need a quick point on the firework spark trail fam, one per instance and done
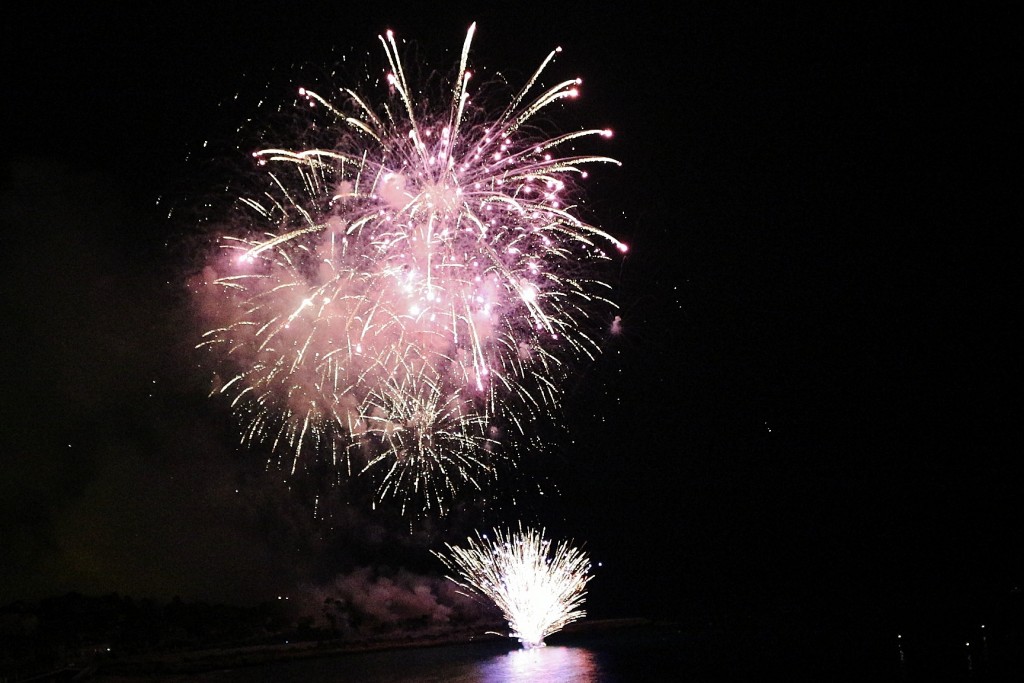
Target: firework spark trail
(414, 286)
(539, 587)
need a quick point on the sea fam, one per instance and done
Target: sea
(660, 652)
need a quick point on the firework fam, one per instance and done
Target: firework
(407, 293)
(539, 587)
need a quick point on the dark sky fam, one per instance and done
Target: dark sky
(813, 407)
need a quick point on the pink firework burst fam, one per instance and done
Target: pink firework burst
(409, 295)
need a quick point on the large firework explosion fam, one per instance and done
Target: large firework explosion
(408, 288)
(539, 587)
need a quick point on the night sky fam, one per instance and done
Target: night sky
(812, 409)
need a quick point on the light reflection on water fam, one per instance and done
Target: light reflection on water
(552, 663)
